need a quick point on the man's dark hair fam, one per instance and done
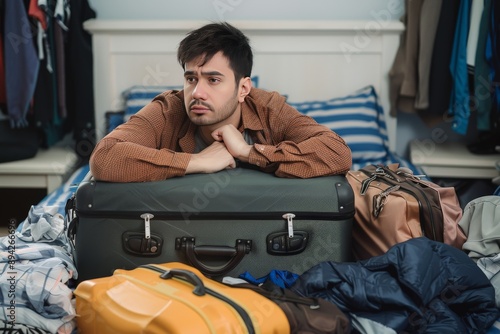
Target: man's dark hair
(214, 37)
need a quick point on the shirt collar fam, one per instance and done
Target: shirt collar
(249, 115)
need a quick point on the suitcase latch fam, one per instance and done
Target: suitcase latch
(147, 224)
(136, 244)
(289, 218)
(280, 243)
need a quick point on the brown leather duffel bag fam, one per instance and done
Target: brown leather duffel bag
(392, 205)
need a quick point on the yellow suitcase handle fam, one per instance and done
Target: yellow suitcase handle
(199, 287)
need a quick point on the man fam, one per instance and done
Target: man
(217, 121)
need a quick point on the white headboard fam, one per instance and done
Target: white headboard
(305, 60)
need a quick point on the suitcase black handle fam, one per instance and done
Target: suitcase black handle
(235, 254)
(199, 287)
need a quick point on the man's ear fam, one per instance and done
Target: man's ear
(244, 89)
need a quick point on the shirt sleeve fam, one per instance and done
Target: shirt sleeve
(142, 149)
(300, 147)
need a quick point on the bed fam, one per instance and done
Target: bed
(324, 68)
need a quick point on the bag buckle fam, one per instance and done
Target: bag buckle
(380, 200)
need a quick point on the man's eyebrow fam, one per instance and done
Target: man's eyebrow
(209, 73)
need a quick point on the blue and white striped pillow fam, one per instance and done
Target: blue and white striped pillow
(358, 118)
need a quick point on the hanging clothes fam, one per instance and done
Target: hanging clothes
(80, 79)
(46, 95)
(411, 71)
(403, 74)
(46, 72)
(3, 93)
(429, 21)
(440, 80)
(493, 57)
(37, 13)
(476, 10)
(60, 70)
(485, 86)
(41, 23)
(459, 105)
(409, 84)
(21, 62)
(64, 92)
(482, 72)
(62, 13)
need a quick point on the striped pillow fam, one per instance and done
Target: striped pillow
(358, 118)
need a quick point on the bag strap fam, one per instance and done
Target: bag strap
(271, 291)
(304, 314)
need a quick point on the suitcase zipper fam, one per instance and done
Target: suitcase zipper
(243, 314)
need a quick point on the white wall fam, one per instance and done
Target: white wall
(218, 10)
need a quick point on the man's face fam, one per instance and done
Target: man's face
(210, 92)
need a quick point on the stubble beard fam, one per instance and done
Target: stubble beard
(226, 111)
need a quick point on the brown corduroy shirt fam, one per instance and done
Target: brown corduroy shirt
(158, 141)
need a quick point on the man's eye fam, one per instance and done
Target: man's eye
(214, 80)
(190, 79)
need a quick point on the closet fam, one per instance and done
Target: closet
(447, 68)
(447, 73)
(46, 77)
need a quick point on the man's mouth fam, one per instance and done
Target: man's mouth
(198, 108)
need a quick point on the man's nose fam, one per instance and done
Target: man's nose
(199, 91)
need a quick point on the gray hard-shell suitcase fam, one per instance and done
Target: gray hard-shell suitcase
(223, 223)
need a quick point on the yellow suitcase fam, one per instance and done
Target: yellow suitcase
(172, 298)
